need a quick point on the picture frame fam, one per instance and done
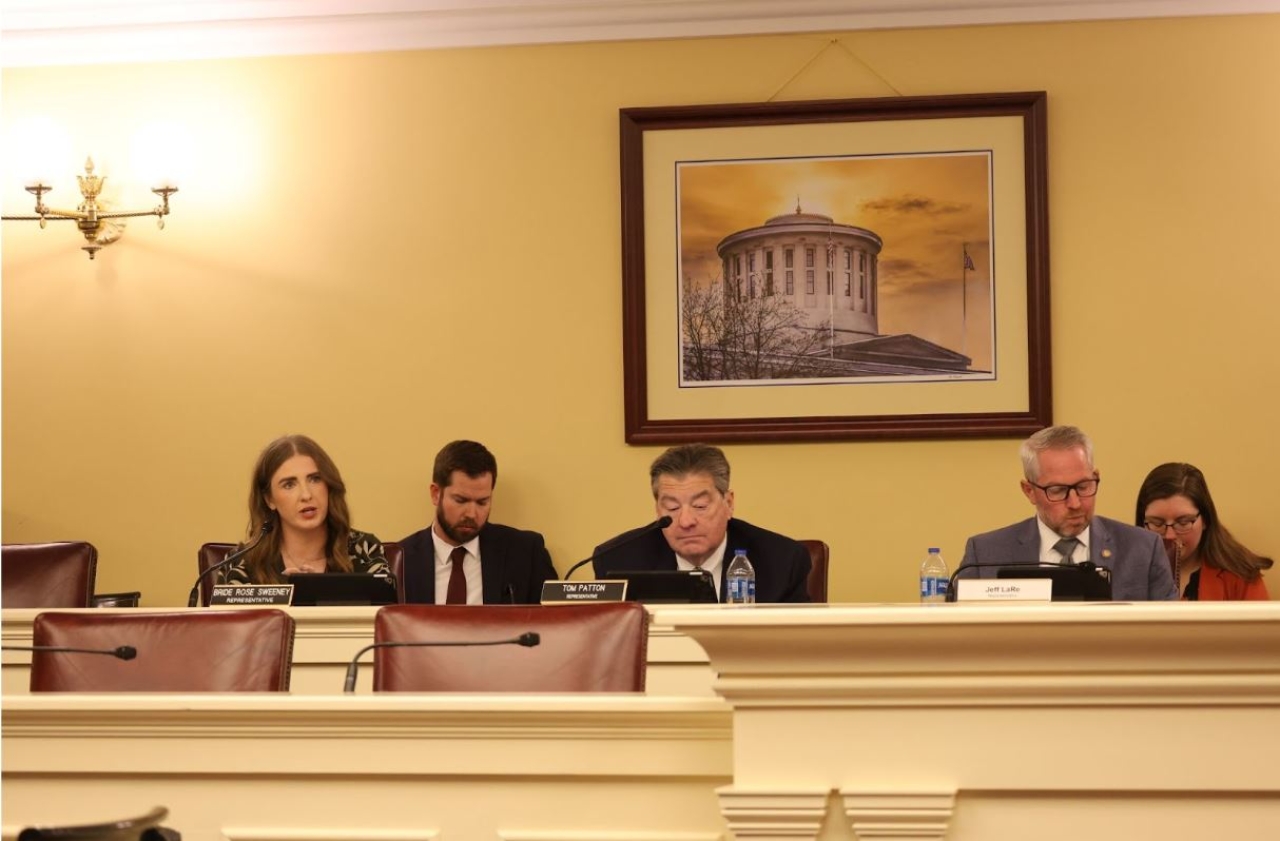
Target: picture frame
(664, 150)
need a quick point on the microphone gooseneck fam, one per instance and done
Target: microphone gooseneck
(528, 639)
(657, 525)
(123, 652)
(194, 596)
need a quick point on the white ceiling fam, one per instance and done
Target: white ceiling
(44, 32)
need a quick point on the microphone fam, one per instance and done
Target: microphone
(657, 525)
(1083, 567)
(123, 652)
(528, 639)
(229, 559)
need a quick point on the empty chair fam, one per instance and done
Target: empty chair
(48, 574)
(819, 557)
(583, 648)
(211, 554)
(215, 651)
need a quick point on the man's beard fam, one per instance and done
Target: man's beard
(451, 531)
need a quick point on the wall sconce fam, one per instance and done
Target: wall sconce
(99, 226)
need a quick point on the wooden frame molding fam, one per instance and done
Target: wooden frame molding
(907, 816)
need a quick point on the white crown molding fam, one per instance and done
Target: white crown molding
(53, 32)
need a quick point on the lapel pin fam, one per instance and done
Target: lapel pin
(1106, 553)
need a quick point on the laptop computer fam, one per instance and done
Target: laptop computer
(667, 586)
(1071, 582)
(311, 589)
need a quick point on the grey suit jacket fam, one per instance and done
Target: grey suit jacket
(1139, 567)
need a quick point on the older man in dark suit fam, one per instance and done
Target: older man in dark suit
(691, 486)
(1060, 480)
(462, 558)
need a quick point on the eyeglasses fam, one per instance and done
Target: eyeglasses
(1182, 525)
(1059, 493)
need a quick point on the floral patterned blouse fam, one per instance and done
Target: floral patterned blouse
(365, 550)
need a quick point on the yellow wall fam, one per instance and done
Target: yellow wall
(391, 251)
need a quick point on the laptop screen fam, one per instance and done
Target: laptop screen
(1071, 583)
(667, 586)
(342, 588)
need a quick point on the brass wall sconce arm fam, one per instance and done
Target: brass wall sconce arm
(99, 225)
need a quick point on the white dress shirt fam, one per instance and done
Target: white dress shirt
(711, 564)
(1048, 537)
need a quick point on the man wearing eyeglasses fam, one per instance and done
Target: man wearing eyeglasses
(691, 486)
(1062, 483)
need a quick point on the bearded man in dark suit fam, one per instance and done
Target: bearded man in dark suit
(462, 558)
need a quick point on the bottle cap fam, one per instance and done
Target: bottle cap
(737, 552)
(935, 550)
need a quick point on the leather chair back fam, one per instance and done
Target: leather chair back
(819, 557)
(48, 574)
(584, 648)
(211, 554)
(205, 651)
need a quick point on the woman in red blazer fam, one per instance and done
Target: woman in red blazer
(1208, 563)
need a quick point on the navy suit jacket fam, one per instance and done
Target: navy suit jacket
(781, 564)
(1136, 557)
(513, 565)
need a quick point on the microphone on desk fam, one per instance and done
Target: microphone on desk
(194, 597)
(123, 652)
(528, 639)
(657, 525)
(1082, 568)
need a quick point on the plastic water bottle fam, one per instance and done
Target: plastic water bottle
(933, 579)
(740, 578)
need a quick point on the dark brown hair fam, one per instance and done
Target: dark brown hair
(469, 457)
(1217, 547)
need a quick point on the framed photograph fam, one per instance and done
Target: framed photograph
(836, 269)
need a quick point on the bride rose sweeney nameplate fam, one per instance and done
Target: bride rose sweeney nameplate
(243, 594)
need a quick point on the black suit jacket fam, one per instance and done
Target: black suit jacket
(781, 564)
(513, 565)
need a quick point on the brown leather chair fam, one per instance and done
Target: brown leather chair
(48, 574)
(206, 651)
(211, 554)
(584, 648)
(819, 557)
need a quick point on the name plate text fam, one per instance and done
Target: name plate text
(243, 594)
(1004, 590)
(565, 592)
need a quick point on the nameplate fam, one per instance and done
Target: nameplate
(565, 592)
(242, 594)
(1004, 590)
